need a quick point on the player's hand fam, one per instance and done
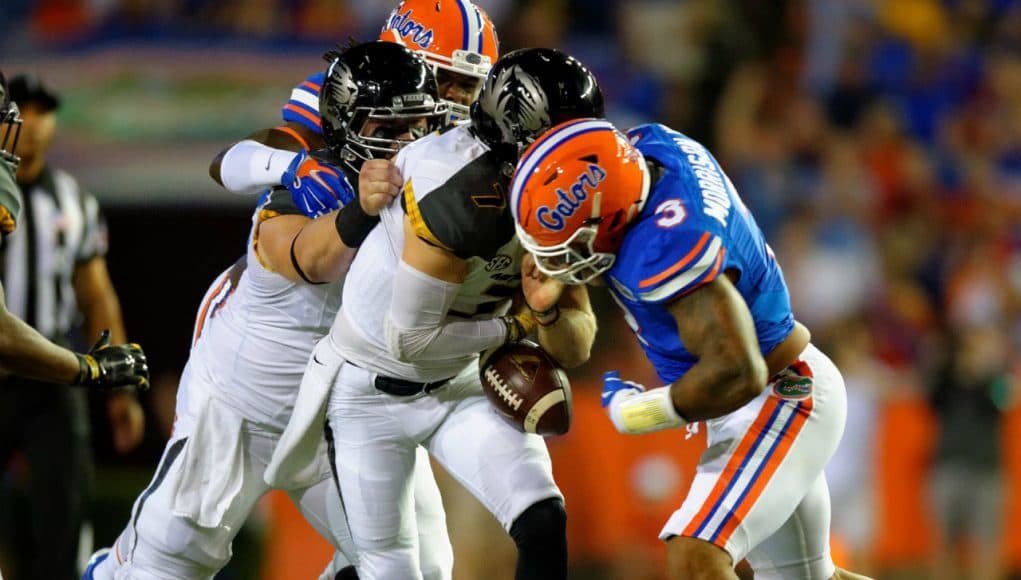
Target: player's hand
(127, 421)
(635, 410)
(108, 366)
(616, 390)
(317, 188)
(379, 183)
(541, 292)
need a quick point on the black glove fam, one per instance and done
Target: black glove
(108, 366)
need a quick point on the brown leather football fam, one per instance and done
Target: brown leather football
(528, 388)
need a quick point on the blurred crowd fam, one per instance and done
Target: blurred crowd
(877, 142)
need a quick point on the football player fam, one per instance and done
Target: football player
(25, 352)
(254, 334)
(431, 287)
(455, 37)
(652, 216)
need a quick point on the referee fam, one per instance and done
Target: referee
(54, 273)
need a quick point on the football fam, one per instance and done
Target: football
(528, 388)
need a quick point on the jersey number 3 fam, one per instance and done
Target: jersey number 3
(671, 213)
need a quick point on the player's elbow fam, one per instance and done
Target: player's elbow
(571, 357)
(214, 167)
(405, 345)
(749, 378)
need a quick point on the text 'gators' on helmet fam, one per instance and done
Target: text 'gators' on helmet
(456, 37)
(573, 194)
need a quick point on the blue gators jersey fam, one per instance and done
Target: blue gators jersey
(693, 228)
(303, 106)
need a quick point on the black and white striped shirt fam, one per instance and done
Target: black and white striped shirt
(61, 227)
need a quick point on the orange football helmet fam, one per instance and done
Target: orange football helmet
(452, 35)
(574, 191)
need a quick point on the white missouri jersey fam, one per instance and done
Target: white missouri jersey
(256, 329)
(455, 196)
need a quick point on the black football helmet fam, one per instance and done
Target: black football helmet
(528, 91)
(376, 81)
(10, 124)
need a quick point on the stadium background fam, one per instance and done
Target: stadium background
(878, 143)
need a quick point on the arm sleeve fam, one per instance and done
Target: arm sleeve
(417, 326)
(249, 167)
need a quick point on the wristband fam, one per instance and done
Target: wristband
(515, 328)
(547, 317)
(353, 224)
(88, 369)
(645, 412)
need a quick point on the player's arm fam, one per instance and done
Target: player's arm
(315, 251)
(258, 161)
(25, 352)
(320, 250)
(714, 323)
(566, 323)
(302, 249)
(427, 281)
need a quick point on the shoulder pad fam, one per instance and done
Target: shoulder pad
(658, 264)
(466, 213)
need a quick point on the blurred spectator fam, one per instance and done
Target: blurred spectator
(970, 393)
(54, 272)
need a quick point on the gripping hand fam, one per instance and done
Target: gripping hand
(634, 410)
(316, 187)
(106, 366)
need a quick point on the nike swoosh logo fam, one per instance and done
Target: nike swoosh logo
(270, 160)
(316, 359)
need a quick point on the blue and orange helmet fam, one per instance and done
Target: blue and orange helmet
(574, 191)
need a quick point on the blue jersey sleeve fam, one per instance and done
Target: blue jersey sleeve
(303, 106)
(665, 257)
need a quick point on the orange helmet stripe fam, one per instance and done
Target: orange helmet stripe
(542, 147)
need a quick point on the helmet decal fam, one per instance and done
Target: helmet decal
(410, 29)
(569, 201)
(573, 194)
(343, 91)
(518, 103)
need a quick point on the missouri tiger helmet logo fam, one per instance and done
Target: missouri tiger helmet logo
(517, 103)
(342, 87)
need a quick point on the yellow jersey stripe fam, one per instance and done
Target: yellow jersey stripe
(417, 222)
